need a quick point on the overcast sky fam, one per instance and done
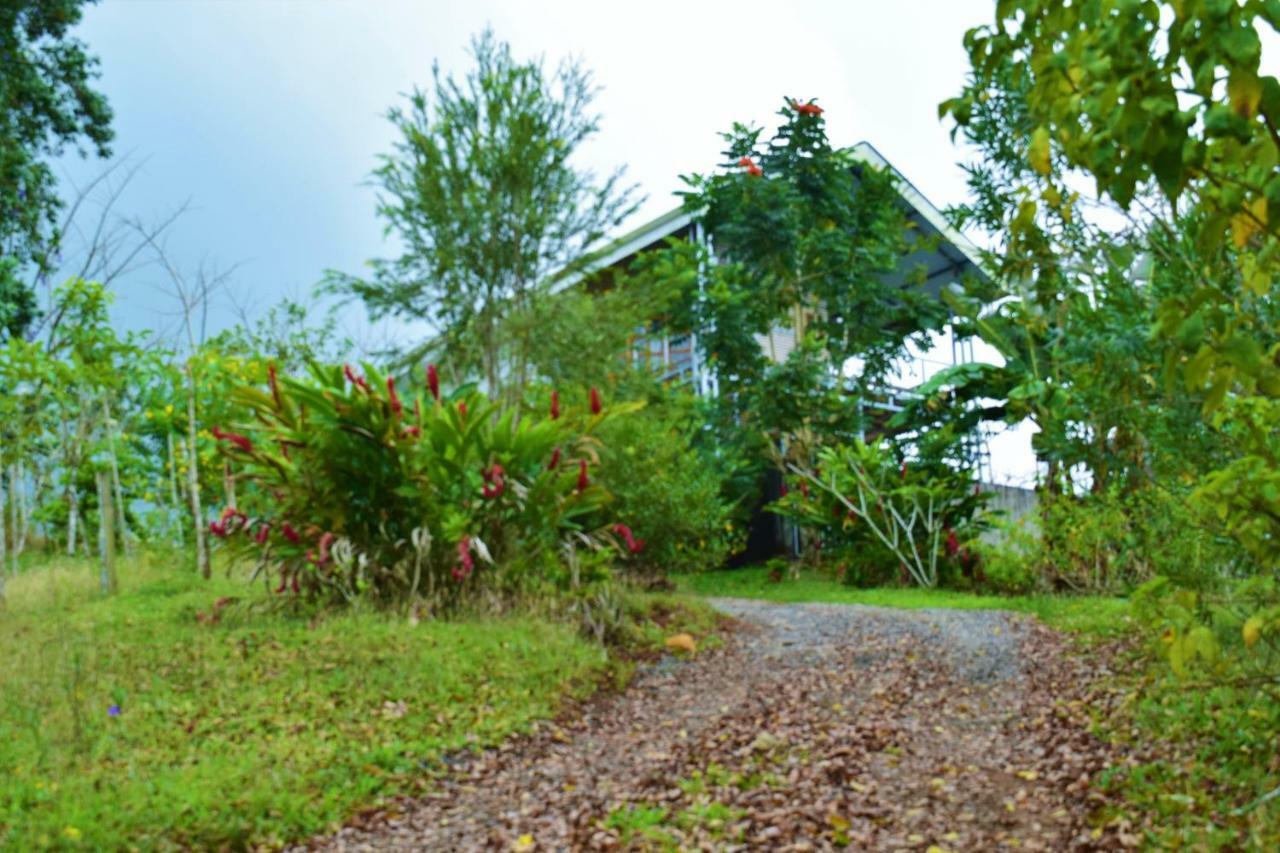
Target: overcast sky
(268, 115)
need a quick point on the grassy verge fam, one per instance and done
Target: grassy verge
(129, 722)
(1092, 616)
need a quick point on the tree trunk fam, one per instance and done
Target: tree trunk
(73, 517)
(115, 480)
(24, 511)
(15, 526)
(193, 478)
(106, 535)
(2, 552)
(173, 489)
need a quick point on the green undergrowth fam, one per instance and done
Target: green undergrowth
(1088, 616)
(129, 722)
(1211, 783)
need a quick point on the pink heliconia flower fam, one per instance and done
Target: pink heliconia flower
(396, 406)
(433, 381)
(555, 405)
(234, 437)
(595, 402)
(555, 460)
(582, 475)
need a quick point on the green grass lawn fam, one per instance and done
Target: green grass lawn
(263, 728)
(1089, 615)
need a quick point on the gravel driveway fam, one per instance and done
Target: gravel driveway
(816, 726)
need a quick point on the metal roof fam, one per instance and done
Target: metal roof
(953, 256)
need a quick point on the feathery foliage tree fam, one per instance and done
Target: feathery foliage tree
(483, 193)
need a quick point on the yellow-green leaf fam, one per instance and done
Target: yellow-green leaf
(1252, 631)
(1038, 150)
(1244, 90)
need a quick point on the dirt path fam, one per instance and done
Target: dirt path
(817, 726)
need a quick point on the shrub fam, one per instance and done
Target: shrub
(1114, 541)
(860, 495)
(666, 492)
(355, 489)
(1011, 556)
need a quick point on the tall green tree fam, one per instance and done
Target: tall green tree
(47, 103)
(811, 240)
(484, 194)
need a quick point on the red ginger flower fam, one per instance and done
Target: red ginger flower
(413, 431)
(466, 564)
(218, 529)
(355, 380)
(555, 460)
(582, 475)
(290, 533)
(234, 437)
(396, 406)
(433, 381)
(595, 401)
(493, 482)
(953, 543)
(462, 410)
(555, 405)
(261, 536)
(634, 545)
(326, 540)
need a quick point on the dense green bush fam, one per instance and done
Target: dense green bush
(1116, 540)
(352, 489)
(667, 492)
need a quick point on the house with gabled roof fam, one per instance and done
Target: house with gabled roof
(942, 257)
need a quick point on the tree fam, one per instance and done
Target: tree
(810, 239)
(48, 103)
(482, 193)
